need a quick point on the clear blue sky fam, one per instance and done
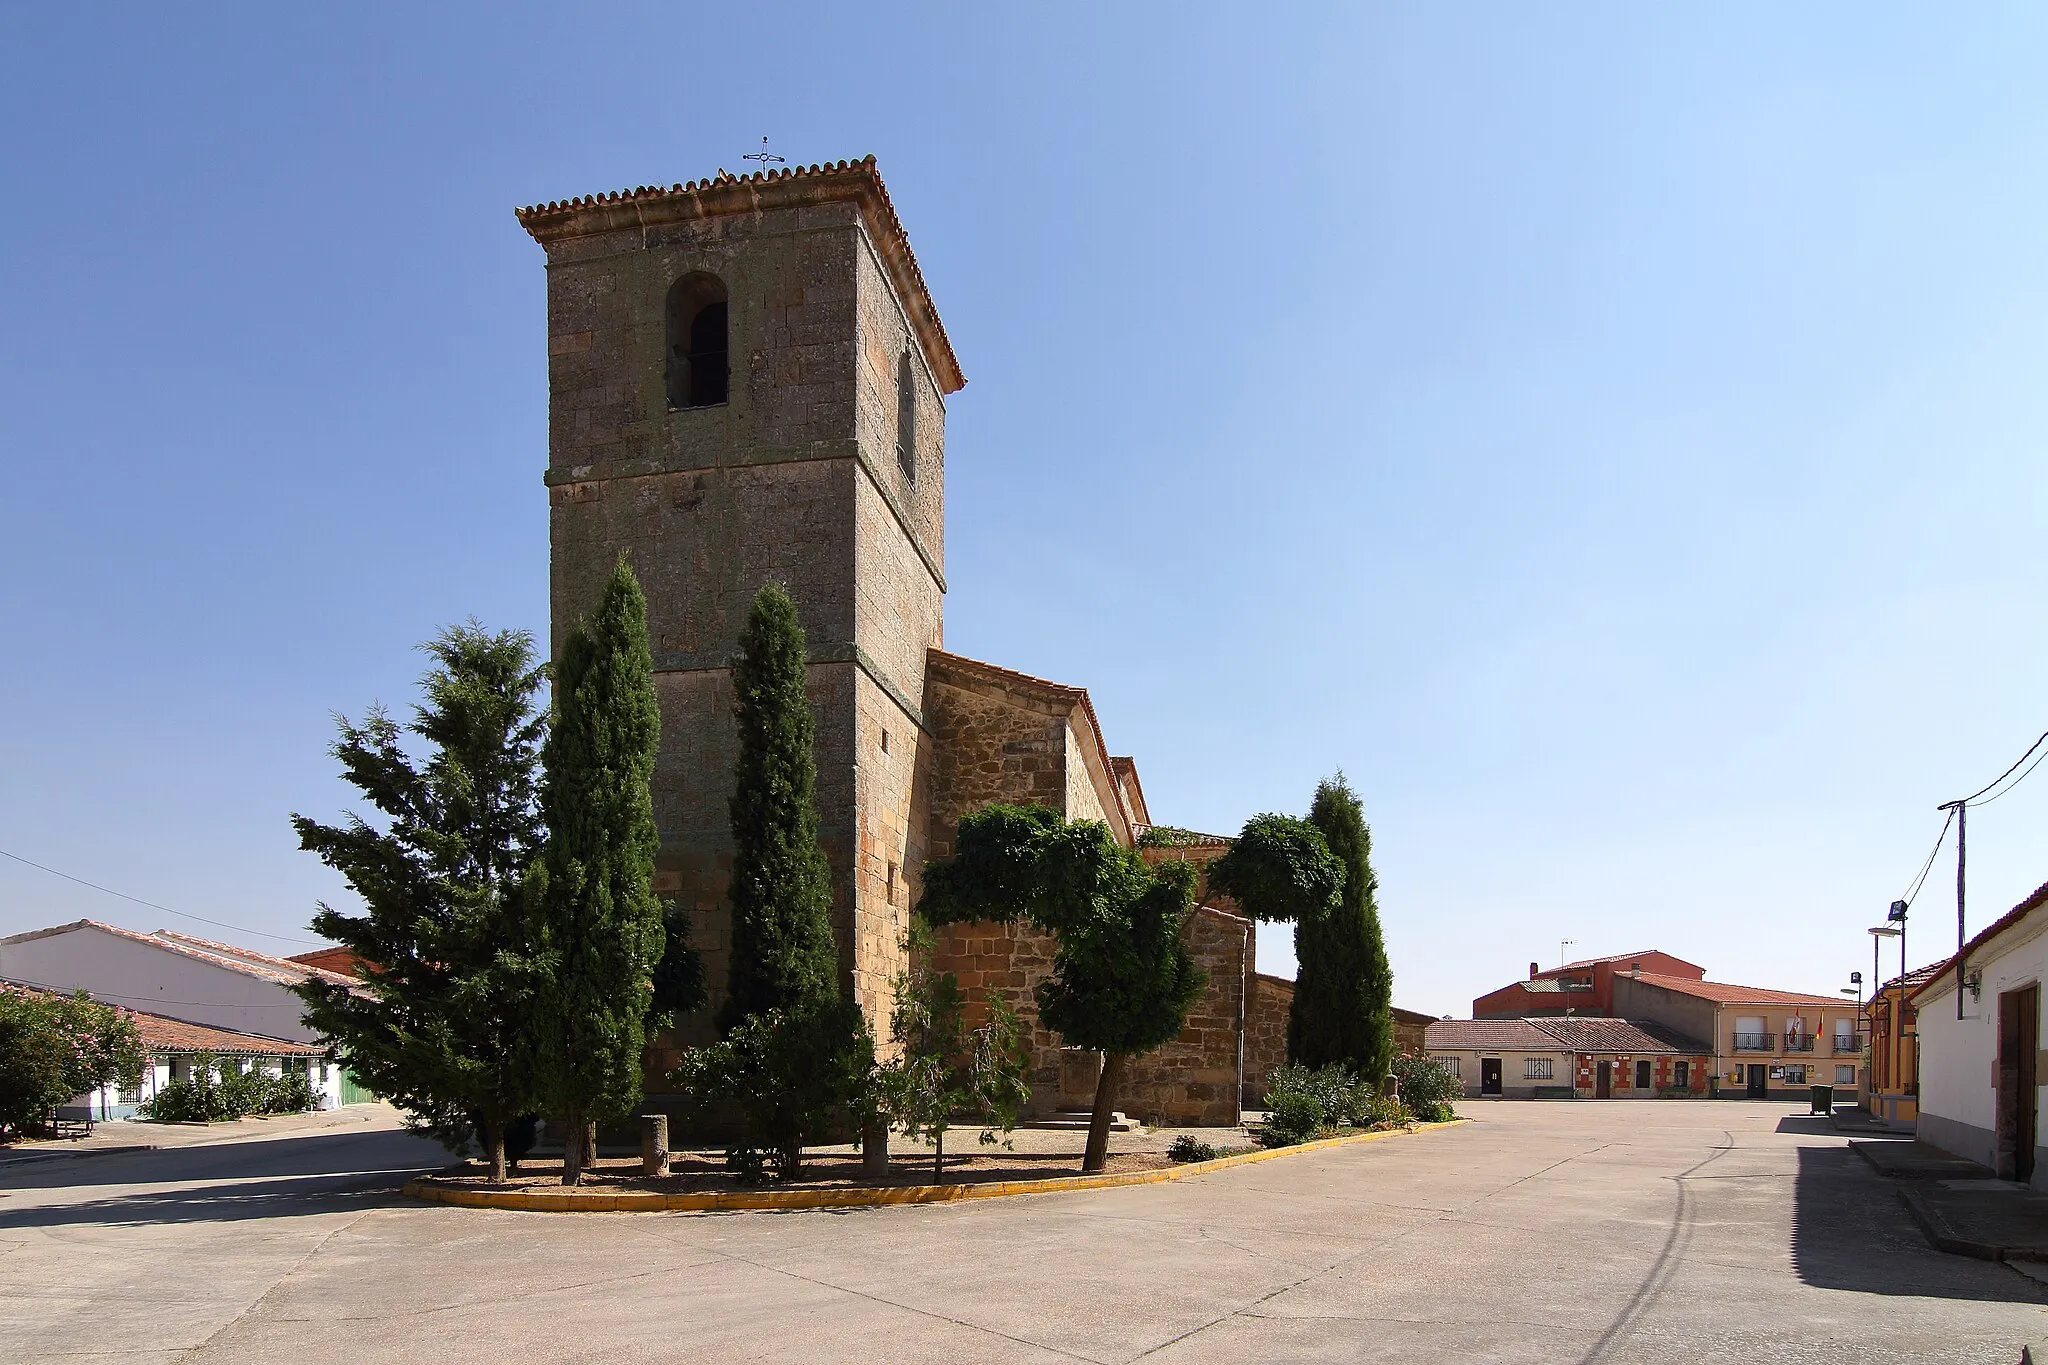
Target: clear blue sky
(1612, 437)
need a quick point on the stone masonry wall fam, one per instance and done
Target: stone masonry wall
(1265, 1034)
(993, 746)
(1195, 1079)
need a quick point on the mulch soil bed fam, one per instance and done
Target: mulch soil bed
(705, 1173)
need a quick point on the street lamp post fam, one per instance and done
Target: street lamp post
(1855, 988)
(1882, 931)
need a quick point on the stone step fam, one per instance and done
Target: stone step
(1068, 1120)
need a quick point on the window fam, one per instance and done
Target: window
(698, 375)
(1449, 1064)
(1845, 1075)
(1795, 1075)
(906, 415)
(1643, 1075)
(1536, 1069)
(1681, 1075)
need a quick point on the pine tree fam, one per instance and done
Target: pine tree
(1122, 975)
(597, 926)
(1344, 995)
(784, 956)
(435, 1028)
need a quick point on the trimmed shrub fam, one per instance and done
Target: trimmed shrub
(1188, 1147)
(1427, 1087)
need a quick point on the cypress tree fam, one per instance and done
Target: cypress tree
(598, 927)
(1344, 993)
(784, 956)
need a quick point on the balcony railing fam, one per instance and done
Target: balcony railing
(1753, 1042)
(1846, 1043)
(1799, 1042)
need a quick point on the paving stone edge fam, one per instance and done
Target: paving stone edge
(567, 1201)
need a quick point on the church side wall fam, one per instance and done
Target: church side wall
(987, 749)
(1265, 1035)
(1195, 1079)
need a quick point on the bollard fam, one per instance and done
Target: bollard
(654, 1144)
(874, 1148)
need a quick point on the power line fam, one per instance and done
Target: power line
(1972, 799)
(1933, 853)
(2015, 782)
(216, 923)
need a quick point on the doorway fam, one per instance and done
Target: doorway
(2019, 1041)
(1489, 1076)
(1603, 1081)
(1759, 1081)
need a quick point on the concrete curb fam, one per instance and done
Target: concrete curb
(568, 1201)
(1940, 1235)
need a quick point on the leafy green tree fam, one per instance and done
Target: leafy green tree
(1122, 977)
(1344, 997)
(597, 928)
(54, 1048)
(944, 1070)
(435, 1027)
(1279, 870)
(784, 956)
(790, 1076)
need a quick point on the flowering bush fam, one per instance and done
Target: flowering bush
(54, 1048)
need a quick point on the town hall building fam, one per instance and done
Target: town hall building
(748, 382)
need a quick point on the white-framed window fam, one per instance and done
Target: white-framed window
(1449, 1063)
(1845, 1075)
(1795, 1075)
(1536, 1069)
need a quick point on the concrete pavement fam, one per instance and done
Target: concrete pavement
(1653, 1231)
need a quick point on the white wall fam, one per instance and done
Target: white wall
(1958, 1087)
(158, 980)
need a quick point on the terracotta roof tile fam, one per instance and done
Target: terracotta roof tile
(1513, 1035)
(1943, 969)
(160, 1033)
(1724, 993)
(1583, 1034)
(856, 182)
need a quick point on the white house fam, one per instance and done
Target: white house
(1981, 1073)
(242, 996)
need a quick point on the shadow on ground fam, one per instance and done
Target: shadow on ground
(340, 1153)
(1850, 1230)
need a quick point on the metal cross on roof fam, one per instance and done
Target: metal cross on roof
(764, 156)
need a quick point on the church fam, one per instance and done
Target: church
(747, 380)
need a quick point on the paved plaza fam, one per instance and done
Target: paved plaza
(1624, 1232)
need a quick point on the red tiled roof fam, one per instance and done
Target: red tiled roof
(1943, 970)
(1584, 1034)
(856, 182)
(1511, 1035)
(160, 1034)
(1612, 957)
(1723, 993)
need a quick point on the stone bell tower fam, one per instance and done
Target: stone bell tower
(746, 382)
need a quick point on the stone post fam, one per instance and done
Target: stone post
(874, 1147)
(654, 1144)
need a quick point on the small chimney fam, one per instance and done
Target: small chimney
(1533, 969)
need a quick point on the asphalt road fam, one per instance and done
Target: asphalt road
(1623, 1232)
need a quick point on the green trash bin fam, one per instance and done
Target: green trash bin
(1823, 1099)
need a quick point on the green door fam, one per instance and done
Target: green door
(352, 1093)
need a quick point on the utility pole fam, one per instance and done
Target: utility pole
(1962, 820)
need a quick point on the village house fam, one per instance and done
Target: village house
(172, 1049)
(1891, 1071)
(1582, 987)
(747, 382)
(1765, 1044)
(189, 995)
(1981, 1064)
(1560, 1058)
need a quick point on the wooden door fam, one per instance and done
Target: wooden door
(1759, 1081)
(2019, 1038)
(1489, 1076)
(1603, 1081)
